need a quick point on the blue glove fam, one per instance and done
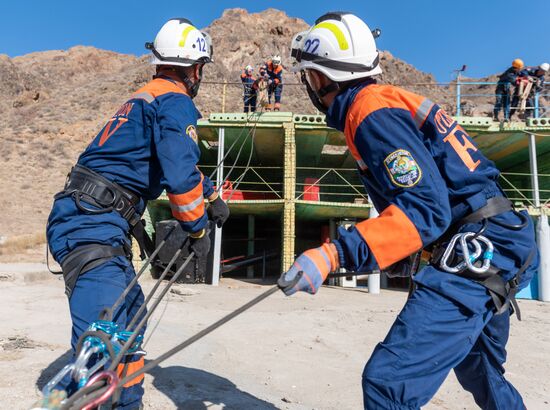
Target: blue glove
(315, 265)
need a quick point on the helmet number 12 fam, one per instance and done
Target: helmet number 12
(201, 43)
(311, 46)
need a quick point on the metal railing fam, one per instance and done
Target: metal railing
(250, 183)
(329, 185)
(461, 92)
(519, 189)
(344, 185)
(539, 110)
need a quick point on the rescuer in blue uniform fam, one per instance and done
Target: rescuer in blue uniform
(435, 191)
(505, 89)
(274, 71)
(535, 75)
(249, 89)
(149, 145)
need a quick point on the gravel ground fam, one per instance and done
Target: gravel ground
(285, 353)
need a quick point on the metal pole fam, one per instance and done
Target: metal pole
(543, 239)
(374, 279)
(250, 242)
(224, 93)
(534, 169)
(458, 95)
(217, 251)
(543, 232)
(289, 207)
(537, 95)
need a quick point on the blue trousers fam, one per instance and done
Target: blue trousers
(448, 323)
(68, 228)
(502, 100)
(95, 290)
(249, 102)
(275, 91)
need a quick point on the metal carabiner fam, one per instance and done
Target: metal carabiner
(85, 375)
(105, 326)
(46, 391)
(112, 382)
(82, 359)
(120, 338)
(89, 348)
(465, 251)
(469, 238)
(487, 256)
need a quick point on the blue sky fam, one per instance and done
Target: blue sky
(435, 36)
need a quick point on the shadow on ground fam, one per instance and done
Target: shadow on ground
(187, 388)
(195, 389)
(53, 368)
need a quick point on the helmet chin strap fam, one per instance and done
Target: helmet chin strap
(315, 96)
(328, 89)
(192, 87)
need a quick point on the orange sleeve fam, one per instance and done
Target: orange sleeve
(391, 236)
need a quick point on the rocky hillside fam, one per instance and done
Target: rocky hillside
(52, 103)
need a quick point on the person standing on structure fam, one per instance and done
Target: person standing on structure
(434, 190)
(274, 71)
(149, 145)
(530, 82)
(249, 89)
(505, 89)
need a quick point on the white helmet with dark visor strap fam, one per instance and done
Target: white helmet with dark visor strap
(179, 43)
(340, 45)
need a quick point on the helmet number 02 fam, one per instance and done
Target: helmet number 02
(311, 46)
(201, 43)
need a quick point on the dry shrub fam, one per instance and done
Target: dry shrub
(21, 243)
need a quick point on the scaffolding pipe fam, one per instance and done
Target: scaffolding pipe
(217, 251)
(224, 94)
(543, 231)
(543, 239)
(458, 94)
(374, 279)
(289, 190)
(534, 170)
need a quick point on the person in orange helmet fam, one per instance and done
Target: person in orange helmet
(504, 90)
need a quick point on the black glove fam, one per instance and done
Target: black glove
(218, 211)
(199, 243)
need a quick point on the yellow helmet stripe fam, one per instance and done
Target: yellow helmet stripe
(334, 29)
(184, 35)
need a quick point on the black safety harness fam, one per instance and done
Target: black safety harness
(94, 194)
(502, 292)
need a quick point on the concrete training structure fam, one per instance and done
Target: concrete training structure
(291, 179)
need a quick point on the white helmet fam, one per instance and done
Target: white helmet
(276, 59)
(180, 43)
(296, 44)
(544, 67)
(249, 68)
(339, 45)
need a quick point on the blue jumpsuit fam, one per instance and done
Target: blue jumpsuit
(538, 86)
(275, 89)
(423, 172)
(148, 145)
(503, 92)
(249, 95)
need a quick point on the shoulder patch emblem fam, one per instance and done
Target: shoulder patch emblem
(192, 132)
(403, 169)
